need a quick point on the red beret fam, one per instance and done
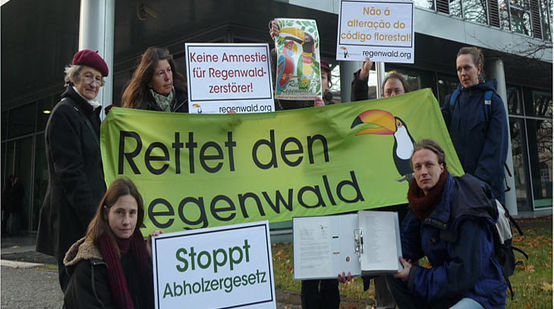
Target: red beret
(91, 59)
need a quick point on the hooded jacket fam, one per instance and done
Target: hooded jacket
(481, 145)
(457, 238)
(89, 285)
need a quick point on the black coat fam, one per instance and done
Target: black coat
(359, 88)
(75, 177)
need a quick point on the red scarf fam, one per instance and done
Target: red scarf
(116, 277)
(422, 205)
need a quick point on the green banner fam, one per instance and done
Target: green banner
(208, 170)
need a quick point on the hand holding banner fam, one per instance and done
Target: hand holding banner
(209, 170)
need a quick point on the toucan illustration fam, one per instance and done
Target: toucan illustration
(384, 123)
(198, 108)
(285, 65)
(304, 64)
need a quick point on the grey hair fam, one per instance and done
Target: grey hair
(72, 73)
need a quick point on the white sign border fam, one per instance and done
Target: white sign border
(411, 48)
(222, 45)
(411, 4)
(218, 229)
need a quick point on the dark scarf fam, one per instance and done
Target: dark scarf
(422, 205)
(118, 284)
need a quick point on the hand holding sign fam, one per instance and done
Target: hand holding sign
(298, 70)
(229, 78)
(382, 31)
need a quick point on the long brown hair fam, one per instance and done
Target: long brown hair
(99, 225)
(137, 94)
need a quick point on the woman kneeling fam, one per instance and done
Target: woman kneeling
(111, 266)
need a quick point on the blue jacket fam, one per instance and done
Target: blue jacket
(481, 146)
(458, 242)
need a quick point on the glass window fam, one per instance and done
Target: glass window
(514, 101)
(446, 85)
(4, 152)
(40, 179)
(4, 115)
(539, 136)
(521, 16)
(335, 79)
(541, 104)
(426, 4)
(504, 8)
(519, 157)
(455, 8)
(23, 169)
(415, 79)
(22, 120)
(475, 10)
(546, 19)
(45, 107)
(8, 151)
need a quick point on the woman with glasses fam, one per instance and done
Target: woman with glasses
(156, 85)
(75, 177)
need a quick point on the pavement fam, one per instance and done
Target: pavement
(30, 279)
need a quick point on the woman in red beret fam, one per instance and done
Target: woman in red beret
(75, 176)
(156, 85)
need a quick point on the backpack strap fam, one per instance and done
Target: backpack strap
(453, 99)
(522, 252)
(487, 104)
(509, 284)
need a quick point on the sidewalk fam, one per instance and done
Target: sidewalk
(18, 252)
(22, 249)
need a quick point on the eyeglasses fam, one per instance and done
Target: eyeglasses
(90, 80)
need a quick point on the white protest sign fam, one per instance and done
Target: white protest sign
(221, 267)
(228, 78)
(380, 30)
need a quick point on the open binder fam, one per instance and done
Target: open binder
(363, 243)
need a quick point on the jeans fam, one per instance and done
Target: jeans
(467, 303)
(406, 300)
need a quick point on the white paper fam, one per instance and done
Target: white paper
(325, 246)
(381, 247)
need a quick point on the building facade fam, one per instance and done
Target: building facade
(40, 37)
